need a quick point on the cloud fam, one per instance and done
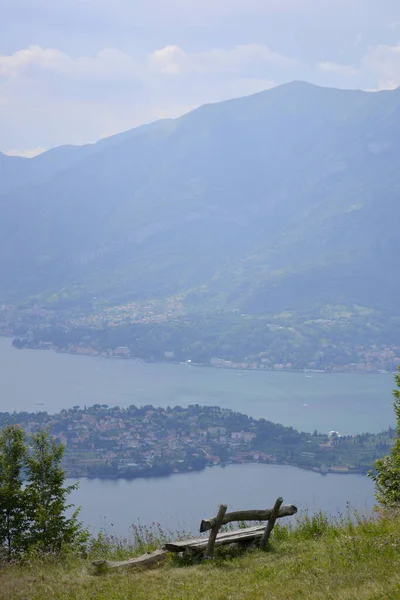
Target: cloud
(71, 70)
(377, 69)
(337, 69)
(57, 98)
(26, 153)
(34, 56)
(383, 62)
(108, 64)
(112, 65)
(172, 60)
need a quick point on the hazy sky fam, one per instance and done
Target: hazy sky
(72, 71)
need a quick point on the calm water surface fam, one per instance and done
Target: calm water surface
(344, 402)
(179, 502)
(33, 380)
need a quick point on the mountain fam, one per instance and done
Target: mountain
(280, 201)
(16, 171)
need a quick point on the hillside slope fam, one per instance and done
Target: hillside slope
(316, 561)
(278, 201)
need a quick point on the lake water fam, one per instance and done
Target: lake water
(348, 403)
(33, 380)
(179, 502)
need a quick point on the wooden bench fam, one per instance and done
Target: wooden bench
(205, 545)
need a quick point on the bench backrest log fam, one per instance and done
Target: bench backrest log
(223, 518)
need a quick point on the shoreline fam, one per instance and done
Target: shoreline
(147, 441)
(329, 471)
(94, 354)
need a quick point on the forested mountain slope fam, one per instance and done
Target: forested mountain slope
(284, 200)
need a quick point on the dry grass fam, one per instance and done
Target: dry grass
(317, 560)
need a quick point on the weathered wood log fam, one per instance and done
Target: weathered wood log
(209, 553)
(271, 523)
(229, 537)
(146, 560)
(249, 515)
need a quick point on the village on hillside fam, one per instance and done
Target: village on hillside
(116, 442)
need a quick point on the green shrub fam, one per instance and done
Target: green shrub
(387, 470)
(33, 512)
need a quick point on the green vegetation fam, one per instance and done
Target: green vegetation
(316, 559)
(387, 469)
(13, 518)
(33, 496)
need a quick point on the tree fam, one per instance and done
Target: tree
(46, 497)
(12, 497)
(387, 470)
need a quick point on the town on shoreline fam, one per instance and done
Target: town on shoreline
(337, 344)
(123, 353)
(116, 442)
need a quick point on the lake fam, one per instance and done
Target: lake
(179, 502)
(44, 380)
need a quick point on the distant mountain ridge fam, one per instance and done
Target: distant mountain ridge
(16, 171)
(284, 200)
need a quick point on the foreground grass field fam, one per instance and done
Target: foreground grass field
(316, 560)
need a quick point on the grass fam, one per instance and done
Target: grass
(318, 559)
